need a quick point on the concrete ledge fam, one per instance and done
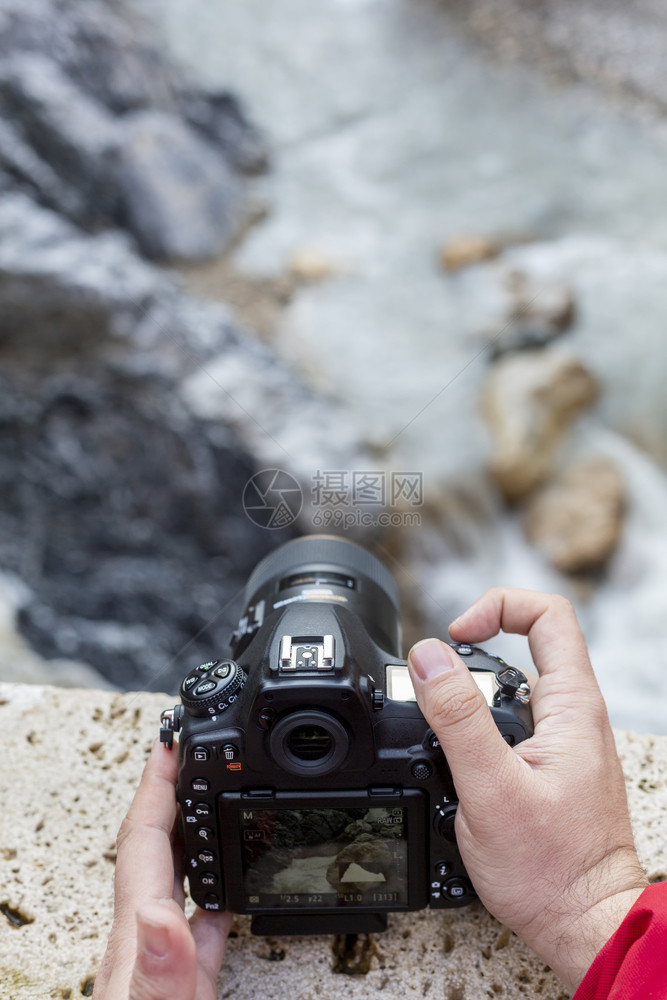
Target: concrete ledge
(72, 759)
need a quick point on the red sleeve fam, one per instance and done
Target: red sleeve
(633, 963)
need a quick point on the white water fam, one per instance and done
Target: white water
(390, 134)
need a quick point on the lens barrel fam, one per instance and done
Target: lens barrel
(340, 566)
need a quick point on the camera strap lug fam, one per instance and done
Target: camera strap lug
(170, 722)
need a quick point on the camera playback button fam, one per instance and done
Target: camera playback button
(200, 753)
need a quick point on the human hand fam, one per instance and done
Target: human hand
(543, 829)
(153, 950)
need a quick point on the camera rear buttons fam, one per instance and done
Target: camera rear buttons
(421, 770)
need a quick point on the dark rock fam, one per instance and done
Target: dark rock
(121, 505)
(99, 126)
(221, 118)
(178, 196)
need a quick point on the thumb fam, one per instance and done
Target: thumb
(459, 715)
(166, 963)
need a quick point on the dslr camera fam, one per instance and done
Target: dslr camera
(313, 794)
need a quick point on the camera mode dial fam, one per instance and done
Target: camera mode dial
(212, 687)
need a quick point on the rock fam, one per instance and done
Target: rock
(71, 135)
(98, 125)
(528, 401)
(577, 520)
(221, 118)
(466, 249)
(178, 196)
(310, 265)
(538, 311)
(122, 501)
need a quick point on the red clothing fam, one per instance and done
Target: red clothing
(633, 963)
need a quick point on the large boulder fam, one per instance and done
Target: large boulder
(98, 125)
(577, 519)
(528, 401)
(122, 501)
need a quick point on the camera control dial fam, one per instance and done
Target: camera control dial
(212, 687)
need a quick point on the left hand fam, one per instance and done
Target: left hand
(154, 951)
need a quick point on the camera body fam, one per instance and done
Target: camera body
(313, 793)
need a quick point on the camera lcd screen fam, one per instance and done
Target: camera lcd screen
(332, 857)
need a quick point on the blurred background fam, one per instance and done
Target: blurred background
(409, 256)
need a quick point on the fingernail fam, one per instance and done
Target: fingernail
(153, 938)
(430, 657)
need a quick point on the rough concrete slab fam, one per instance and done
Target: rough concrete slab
(72, 759)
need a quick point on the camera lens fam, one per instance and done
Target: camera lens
(335, 569)
(312, 743)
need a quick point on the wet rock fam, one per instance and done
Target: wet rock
(538, 311)
(122, 505)
(178, 196)
(466, 249)
(220, 117)
(310, 265)
(98, 125)
(528, 401)
(70, 135)
(577, 520)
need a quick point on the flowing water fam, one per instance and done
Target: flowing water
(390, 133)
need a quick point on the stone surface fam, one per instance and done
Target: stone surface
(537, 311)
(467, 249)
(84, 752)
(178, 195)
(617, 45)
(576, 520)
(132, 417)
(100, 126)
(528, 401)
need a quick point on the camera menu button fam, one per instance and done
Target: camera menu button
(200, 784)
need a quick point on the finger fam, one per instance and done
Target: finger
(549, 620)
(210, 932)
(144, 864)
(459, 715)
(166, 963)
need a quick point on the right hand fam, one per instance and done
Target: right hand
(543, 829)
